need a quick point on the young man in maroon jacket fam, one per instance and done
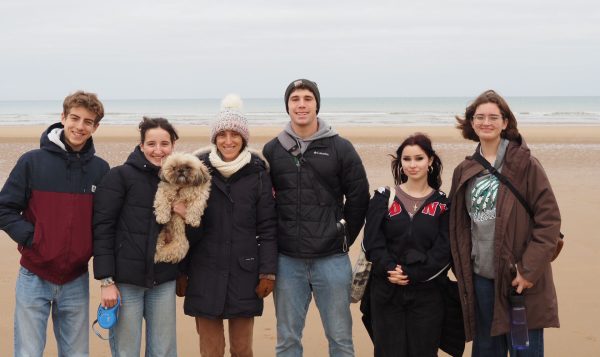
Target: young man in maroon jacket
(46, 207)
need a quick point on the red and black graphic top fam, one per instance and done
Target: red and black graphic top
(419, 244)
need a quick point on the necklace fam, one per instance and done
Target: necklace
(416, 205)
(413, 202)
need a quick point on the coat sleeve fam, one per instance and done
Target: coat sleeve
(438, 256)
(546, 225)
(355, 187)
(266, 226)
(374, 241)
(108, 202)
(266, 152)
(14, 199)
(193, 234)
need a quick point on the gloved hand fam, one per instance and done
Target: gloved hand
(181, 285)
(264, 288)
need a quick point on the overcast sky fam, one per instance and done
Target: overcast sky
(204, 49)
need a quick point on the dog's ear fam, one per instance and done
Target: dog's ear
(203, 175)
(198, 180)
(161, 175)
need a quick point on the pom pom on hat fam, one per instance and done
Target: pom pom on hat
(230, 118)
(232, 102)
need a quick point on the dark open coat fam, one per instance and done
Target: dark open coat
(236, 241)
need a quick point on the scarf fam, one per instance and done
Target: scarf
(228, 168)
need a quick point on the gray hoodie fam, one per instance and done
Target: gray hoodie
(323, 131)
(481, 195)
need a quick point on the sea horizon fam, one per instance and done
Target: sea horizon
(354, 111)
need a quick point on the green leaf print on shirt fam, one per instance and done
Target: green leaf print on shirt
(484, 194)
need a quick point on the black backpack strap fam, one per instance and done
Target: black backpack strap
(480, 159)
(289, 143)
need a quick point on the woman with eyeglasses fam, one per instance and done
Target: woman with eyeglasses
(496, 245)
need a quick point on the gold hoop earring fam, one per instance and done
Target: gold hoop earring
(430, 169)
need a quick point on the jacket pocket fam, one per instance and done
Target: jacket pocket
(249, 264)
(37, 252)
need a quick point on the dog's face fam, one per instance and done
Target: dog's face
(183, 169)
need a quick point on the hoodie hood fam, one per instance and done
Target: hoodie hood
(139, 161)
(53, 139)
(324, 131)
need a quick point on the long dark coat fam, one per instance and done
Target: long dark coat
(235, 243)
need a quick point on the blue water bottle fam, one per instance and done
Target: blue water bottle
(518, 321)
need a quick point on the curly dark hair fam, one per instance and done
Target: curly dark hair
(153, 123)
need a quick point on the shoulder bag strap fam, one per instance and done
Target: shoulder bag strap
(480, 159)
(292, 146)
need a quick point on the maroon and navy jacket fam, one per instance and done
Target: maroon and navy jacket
(419, 244)
(46, 206)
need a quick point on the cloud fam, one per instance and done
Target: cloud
(155, 49)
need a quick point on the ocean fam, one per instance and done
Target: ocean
(428, 111)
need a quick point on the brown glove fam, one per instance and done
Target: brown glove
(264, 288)
(181, 285)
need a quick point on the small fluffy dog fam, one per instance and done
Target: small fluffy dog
(186, 179)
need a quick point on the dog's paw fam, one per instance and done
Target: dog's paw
(193, 221)
(162, 218)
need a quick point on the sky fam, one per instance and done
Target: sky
(131, 49)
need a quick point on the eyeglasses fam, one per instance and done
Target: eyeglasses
(492, 118)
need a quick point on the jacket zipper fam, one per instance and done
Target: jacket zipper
(298, 177)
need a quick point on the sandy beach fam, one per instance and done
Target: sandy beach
(570, 155)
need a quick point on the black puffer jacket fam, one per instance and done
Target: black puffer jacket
(233, 245)
(307, 212)
(125, 228)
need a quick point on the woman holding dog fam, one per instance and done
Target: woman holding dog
(125, 237)
(496, 245)
(232, 260)
(406, 239)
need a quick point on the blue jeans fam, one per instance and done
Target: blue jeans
(69, 303)
(328, 279)
(486, 345)
(157, 307)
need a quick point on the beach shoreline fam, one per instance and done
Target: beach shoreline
(532, 133)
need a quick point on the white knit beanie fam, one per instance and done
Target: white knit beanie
(230, 118)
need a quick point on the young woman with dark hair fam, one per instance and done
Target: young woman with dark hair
(125, 234)
(407, 242)
(232, 263)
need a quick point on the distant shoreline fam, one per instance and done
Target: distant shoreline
(575, 134)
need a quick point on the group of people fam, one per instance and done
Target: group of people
(281, 221)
